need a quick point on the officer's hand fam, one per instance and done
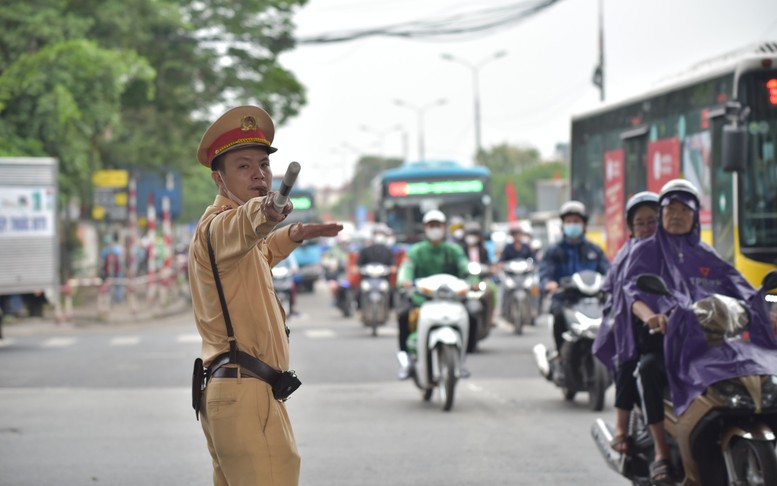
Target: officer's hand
(301, 232)
(407, 284)
(551, 287)
(272, 214)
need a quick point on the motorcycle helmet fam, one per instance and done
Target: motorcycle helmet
(434, 215)
(472, 228)
(573, 207)
(681, 190)
(644, 198)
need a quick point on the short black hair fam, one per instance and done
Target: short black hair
(215, 165)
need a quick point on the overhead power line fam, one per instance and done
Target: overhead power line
(478, 22)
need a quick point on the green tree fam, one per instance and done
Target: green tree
(522, 167)
(360, 187)
(133, 84)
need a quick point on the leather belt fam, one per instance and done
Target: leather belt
(225, 372)
(250, 366)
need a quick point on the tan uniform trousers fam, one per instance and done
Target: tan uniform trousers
(249, 434)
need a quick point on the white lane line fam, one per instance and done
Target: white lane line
(388, 331)
(320, 333)
(188, 338)
(58, 342)
(124, 341)
(6, 342)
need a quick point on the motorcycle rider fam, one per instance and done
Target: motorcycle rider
(379, 251)
(692, 270)
(641, 221)
(428, 257)
(476, 252)
(518, 249)
(574, 253)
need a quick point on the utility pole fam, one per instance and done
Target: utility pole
(475, 69)
(598, 78)
(420, 111)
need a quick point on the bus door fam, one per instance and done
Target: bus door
(722, 194)
(636, 163)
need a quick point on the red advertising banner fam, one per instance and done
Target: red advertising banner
(663, 162)
(614, 225)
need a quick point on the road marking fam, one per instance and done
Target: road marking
(6, 342)
(320, 333)
(388, 331)
(188, 338)
(58, 342)
(124, 341)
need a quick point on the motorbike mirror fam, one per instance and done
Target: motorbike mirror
(652, 284)
(770, 281)
(474, 268)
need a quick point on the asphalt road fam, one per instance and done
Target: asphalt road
(110, 404)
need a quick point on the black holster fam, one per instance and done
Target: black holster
(199, 378)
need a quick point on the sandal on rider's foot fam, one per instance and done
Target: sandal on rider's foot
(620, 443)
(661, 473)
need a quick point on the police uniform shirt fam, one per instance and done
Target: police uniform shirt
(246, 249)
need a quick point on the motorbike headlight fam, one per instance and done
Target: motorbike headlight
(734, 394)
(383, 286)
(509, 283)
(769, 392)
(584, 325)
(444, 292)
(365, 286)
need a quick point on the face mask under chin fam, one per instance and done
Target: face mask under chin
(230, 195)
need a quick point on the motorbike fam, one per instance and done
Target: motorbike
(437, 346)
(282, 281)
(575, 369)
(520, 292)
(725, 436)
(375, 295)
(476, 306)
(344, 293)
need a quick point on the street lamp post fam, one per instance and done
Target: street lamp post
(420, 110)
(475, 69)
(381, 135)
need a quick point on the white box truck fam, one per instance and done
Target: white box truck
(29, 238)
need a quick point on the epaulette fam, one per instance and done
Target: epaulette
(223, 208)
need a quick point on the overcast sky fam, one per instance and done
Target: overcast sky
(527, 97)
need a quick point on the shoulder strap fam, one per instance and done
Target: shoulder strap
(230, 333)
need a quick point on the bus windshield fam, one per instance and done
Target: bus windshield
(404, 194)
(758, 198)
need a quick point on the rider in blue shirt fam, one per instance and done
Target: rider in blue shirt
(574, 253)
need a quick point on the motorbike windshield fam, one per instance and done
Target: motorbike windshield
(721, 317)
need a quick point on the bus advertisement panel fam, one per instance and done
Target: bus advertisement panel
(404, 194)
(677, 131)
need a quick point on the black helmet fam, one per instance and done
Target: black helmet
(573, 207)
(644, 198)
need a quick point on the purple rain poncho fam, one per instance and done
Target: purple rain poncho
(693, 270)
(614, 340)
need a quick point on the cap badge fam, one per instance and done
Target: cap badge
(248, 123)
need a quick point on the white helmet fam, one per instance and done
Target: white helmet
(434, 215)
(573, 207)
(680, 187)
(637, 200)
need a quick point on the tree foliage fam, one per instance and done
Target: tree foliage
(522, 167)
(133, 83)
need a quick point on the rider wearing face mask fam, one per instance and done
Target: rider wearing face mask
(476, 252)
(574, 253)
(429, 257)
